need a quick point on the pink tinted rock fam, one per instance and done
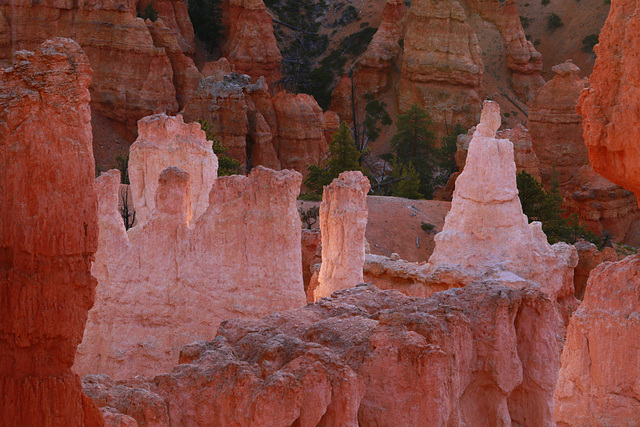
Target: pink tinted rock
(163, 284)
(48, 234)
(598, 382)
(485, 232)
(165, 141)
(343, 222)
(370, 357)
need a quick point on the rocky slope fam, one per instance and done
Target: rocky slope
(363, 357)
(48, 234)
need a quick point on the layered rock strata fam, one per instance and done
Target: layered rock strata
(250, 42)
(364, 357)
(609, 106)
(486, 216)
(165, 141)
(603, 206)
(523, 60)
(378, 60)
(164, 284)
(598, 382)
(343, 222)
(286, 131)
(556, 127)
(589, 257)
(48, 234)
(442, 64)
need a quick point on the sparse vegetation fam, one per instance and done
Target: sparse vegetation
(149, 13)
(226, 165)
(545, 2)
(123, 166)
(344, 156)
(428, 227)
(309, 216)
(554, 22)
(375, 112)
(589, 42)
(524, 21)
(206, 17)
(541, 205)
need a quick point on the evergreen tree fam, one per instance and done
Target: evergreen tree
(448, 150)
(206, 17)
(344, 156)
(541, 205)
(414, 143)
(408, 185)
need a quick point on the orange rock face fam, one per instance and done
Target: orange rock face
(168, 281)
(376, 63)
(556, 127)
(609, 106)
(343, 222)
(442, 66)
(251, 45)
(524, 62)
(589, 257)
(365, 357)
(603, 206)
(300, 136)
(48, 234)
(599, 374)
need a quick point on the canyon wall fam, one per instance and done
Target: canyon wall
(556, 127)
(609, 106)
(442, 64)
(343, 222)
(48, 234)
(174, 277)
(250, 44)
(468, 356)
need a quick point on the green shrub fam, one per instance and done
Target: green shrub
(226, 165)
(428, 227)
(589, 42)
(149, 13)
(524, 21)
(554, 22)
(123, 166)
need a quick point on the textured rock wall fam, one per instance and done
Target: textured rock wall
(250, 43)
(442, 65)
(163, 284)
(165, 141)
(467, 356)
(609, 107)
(48, 234)
(486, 215)
(556, 127)
(598, 382)
(343, 222)
(377, 61)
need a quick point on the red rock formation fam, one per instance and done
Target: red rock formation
(609, 106)
(185, 74)
(376, 63)
(442, 65)
(598, 382)
(166, 282)
(175, 15)
(524, 62)
(162, 142)
(300, 137)
(250, 43)
(48, 234)
(603, 206)
(555, 126)
(331, 125)
(365, 357)
(343, 222)
(589, 257)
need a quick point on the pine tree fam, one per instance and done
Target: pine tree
(409, 184)
(414, 143)
(344, 156)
